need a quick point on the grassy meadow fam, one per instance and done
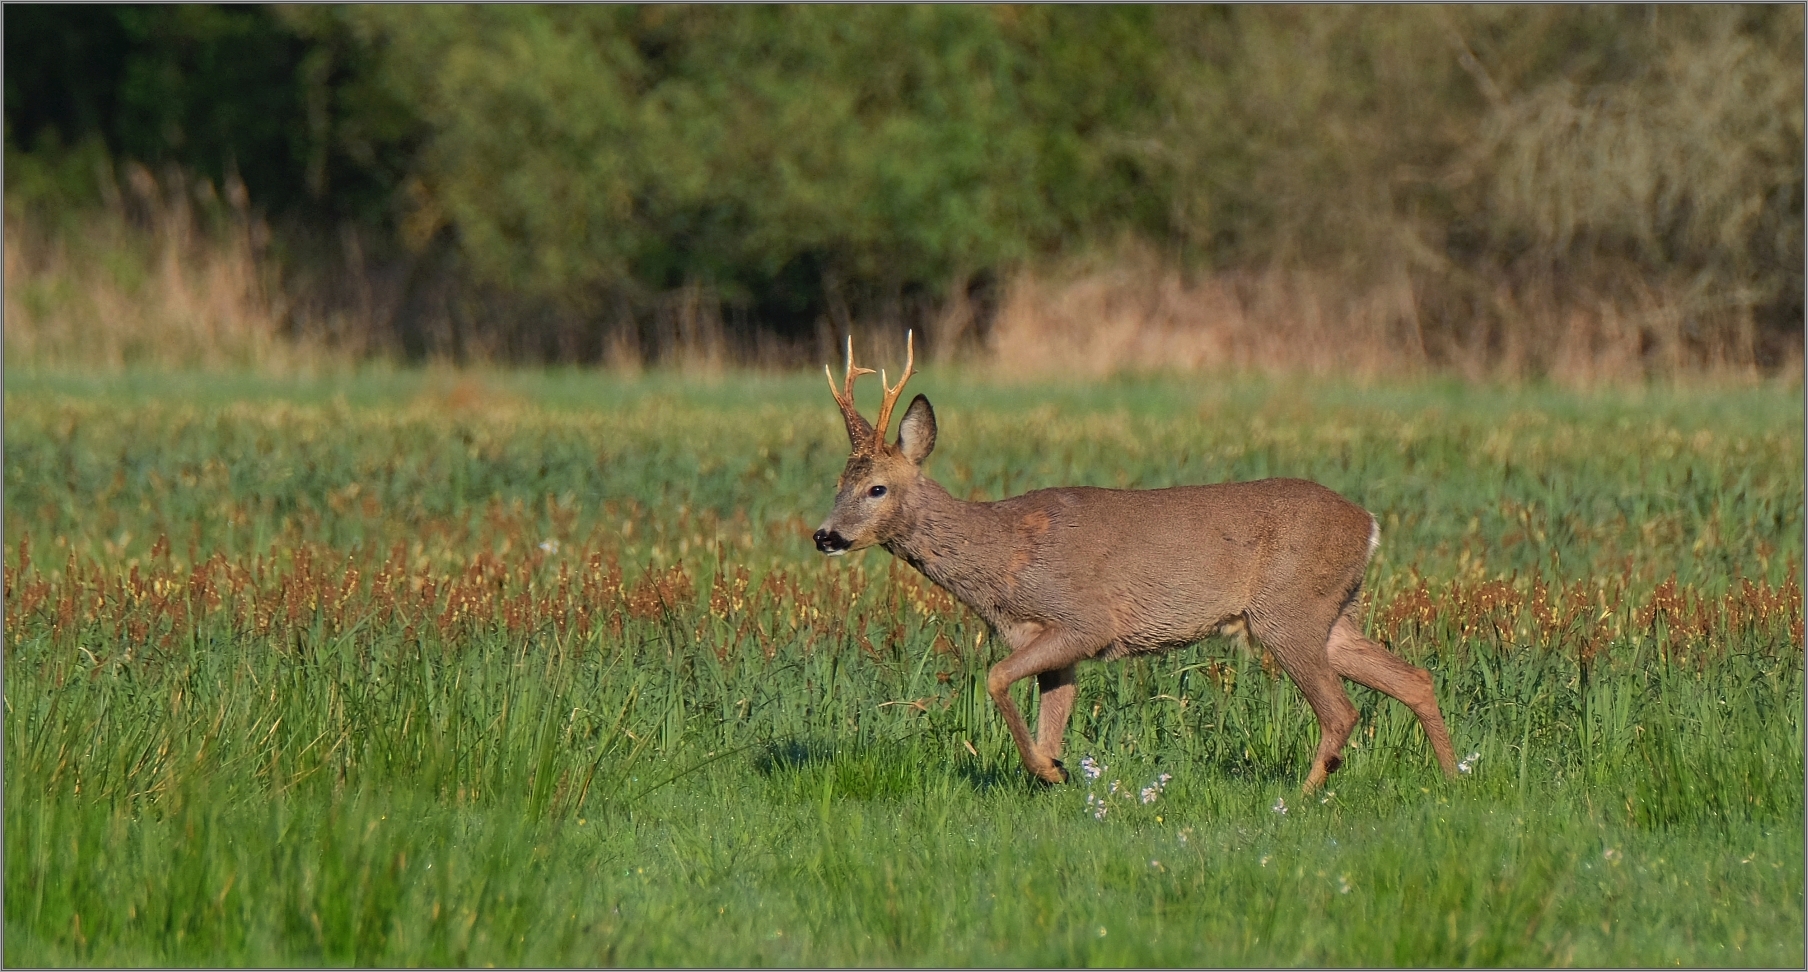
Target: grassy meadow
(422, 668)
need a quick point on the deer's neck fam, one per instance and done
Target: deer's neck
(963, 547)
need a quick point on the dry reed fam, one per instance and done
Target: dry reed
(1136, 314)
(167, 273)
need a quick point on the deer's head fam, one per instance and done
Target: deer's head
(872, 498)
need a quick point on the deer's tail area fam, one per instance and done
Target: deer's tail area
(1355, 588)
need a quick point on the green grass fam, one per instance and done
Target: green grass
(403, 668)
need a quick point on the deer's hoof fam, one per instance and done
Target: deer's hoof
(1053, 773)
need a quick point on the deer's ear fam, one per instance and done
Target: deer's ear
(916, 434)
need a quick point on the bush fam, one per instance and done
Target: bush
(1496, 190)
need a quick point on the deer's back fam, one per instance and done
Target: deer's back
(1152, 568)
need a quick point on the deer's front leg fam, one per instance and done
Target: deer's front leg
(1051, 651)
(1057, 703)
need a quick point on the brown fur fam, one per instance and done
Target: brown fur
(1063, 575)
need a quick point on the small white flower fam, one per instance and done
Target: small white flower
(1114, 785)
(1468, 763)
(1264, 861)
(1280, 806)
(1091, 768)
(550, 546)
(1153, 790)
(1157, 865)
(1343, 884)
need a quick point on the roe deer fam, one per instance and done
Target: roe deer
(1063, 575)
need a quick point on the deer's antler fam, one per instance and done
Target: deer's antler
(859, 433)
(892, 391)
(864, 437)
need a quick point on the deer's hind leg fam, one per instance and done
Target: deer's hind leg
(1367, 663)
(1298, 643)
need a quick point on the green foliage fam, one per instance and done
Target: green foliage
(1536, 153)
(540, 669)
(227, 92)
(802, 164)
(614, 147)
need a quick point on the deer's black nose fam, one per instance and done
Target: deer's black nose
(830, 542)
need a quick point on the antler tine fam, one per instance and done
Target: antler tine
(853, 372)
(892, 391)
(844, 396)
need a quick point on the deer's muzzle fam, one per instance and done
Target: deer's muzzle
(832, 543)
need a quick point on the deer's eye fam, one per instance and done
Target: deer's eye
(876, 492)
